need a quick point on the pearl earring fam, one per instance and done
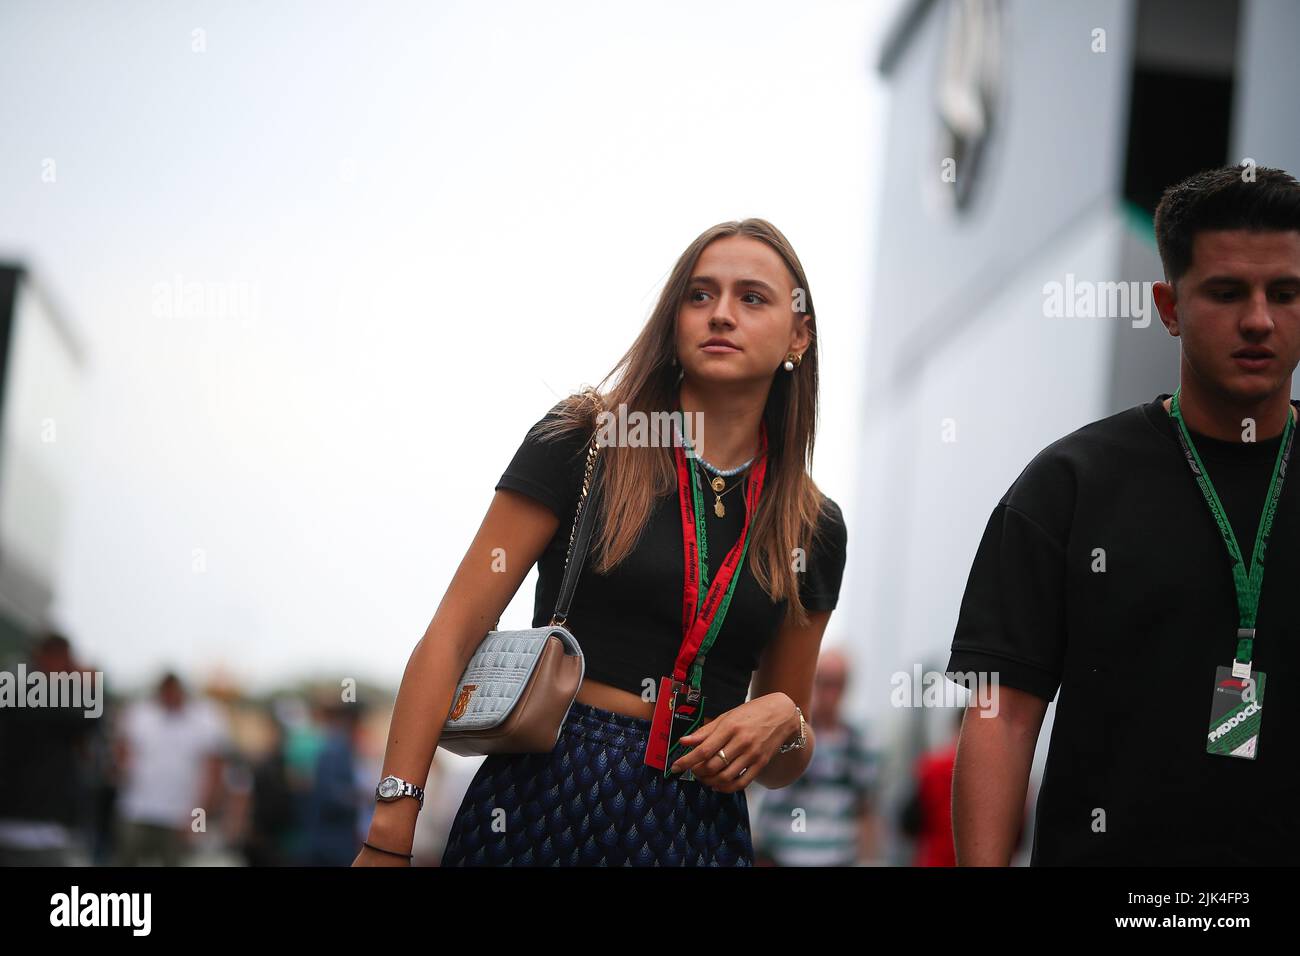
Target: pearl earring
(791, 361)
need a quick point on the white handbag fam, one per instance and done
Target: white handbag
(518, 687)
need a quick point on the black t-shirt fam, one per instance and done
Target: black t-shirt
(629, 622)
(1133, 649)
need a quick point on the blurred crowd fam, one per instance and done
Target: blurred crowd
(184, 776)
(181, 776)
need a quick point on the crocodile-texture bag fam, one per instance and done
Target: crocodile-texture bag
(518, 687)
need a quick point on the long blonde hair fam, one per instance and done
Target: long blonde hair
(646, 381)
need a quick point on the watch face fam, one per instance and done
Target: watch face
(389, 787)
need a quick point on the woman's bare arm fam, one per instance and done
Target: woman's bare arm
(483, 585)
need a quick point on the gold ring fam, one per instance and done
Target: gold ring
(723, 754)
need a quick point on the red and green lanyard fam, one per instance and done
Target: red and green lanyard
(1247, 581)
(701, 622)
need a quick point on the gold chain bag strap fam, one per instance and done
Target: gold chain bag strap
(518, 687)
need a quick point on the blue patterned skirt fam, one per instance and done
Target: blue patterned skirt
(592, 801)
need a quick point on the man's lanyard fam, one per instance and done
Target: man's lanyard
(701, 622)
(1248, 583)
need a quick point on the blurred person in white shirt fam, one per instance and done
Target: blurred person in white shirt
(170, 749)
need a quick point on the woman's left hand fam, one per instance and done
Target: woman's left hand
(748, 735)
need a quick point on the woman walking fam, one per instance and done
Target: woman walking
(715, 564)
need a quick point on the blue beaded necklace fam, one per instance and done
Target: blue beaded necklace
(719, 472)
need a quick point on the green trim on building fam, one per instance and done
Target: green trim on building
(1140, 221)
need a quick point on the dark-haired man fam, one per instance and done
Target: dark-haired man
(1124, 569)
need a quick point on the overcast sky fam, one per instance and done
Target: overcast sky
(440, 217)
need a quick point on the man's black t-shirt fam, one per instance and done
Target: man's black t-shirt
(629, 622)
(1133, 648)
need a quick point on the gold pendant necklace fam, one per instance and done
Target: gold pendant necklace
(719, 485)
(719, 489)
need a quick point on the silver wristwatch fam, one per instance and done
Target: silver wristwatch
(393, 788)
(802, 739)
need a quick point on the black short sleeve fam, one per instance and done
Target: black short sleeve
(819, 588)
(1012, 618)
(549, 470)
